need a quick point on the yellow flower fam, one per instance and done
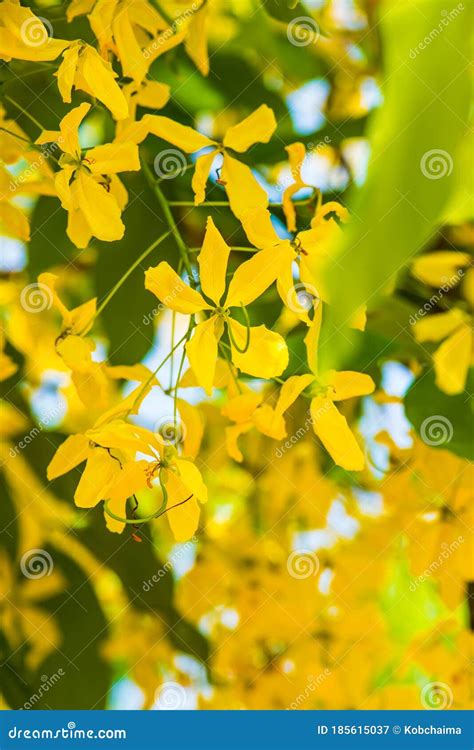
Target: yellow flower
(87, 183)
(311, 249)
(453, 358)
(24, 36)
(137, 34)
(455, 355)
(149, 94)
(243, 190)
(255, 350)
(328, 423)
(84, 69)
(113, 474)
(296, 154)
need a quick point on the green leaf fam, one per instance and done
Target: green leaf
(135, 564)
(412, 169)
(84, 628)
(442, 421)
(285, 10)
(49, 244)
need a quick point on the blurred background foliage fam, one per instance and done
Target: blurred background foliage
(355, 97)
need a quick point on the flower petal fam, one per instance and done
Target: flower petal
(452, 360)
(99, 207)
(267, 354)
(243, 191)
(100, 79)
(438, 326)
(201, 175)
(112, 158)
(72, 452)
(253, 277)
(213, 260)
(334, 432)
(172, 291)
(258, 127)
(348, 384)
(100, 470)
(201, 351)
(182, 136)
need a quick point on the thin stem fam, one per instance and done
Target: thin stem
(27, 114)
(176, 173)
(229, 363)
(155, 372)
(163, 13)
(173, 330)
(247, 337)
(237, 249)
(127, 273)
(178, 378)
(145, 519)
(170, 220)
(302, 202)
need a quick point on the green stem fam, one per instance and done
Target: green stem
(176, 173)
(27, 114)
(123, 278)
(237, 249)
(145, 519)
(229, 363)
(178, 378)
(155, 372)
(247, 337)
(302, 202)
(163, 13)
(170, 220)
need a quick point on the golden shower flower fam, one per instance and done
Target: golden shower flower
(85, 70)
(255, 350)
(242, 188)
(87, 183)
(452, 359)
(325, 391)
(113, 474)
(24, 36)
